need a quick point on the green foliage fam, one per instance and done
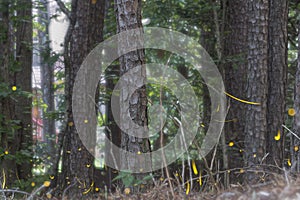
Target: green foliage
(128, 179)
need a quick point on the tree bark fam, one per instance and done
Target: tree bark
(15, 68)
(128, 14)
(235, 81)
(257, 84)
(277, 74)
(85, 32)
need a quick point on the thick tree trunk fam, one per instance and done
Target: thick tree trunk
(85, 32)
(235, 81)
(277, 74)
(128, 14)
(257, 84)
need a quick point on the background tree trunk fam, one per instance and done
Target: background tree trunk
(47, 79)
(296, 123)
(15, 68)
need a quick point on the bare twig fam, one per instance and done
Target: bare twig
(63, 8)
(294, 134)
(186, 149)
(35, 192)
(65, 191)
(15, 191)
(162, 138)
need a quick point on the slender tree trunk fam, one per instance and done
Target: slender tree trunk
(277, 74)
(47, 74)
(23, 79)
(85, 32)
(128, 14)
(8, 167)
(15, 68)
(257, 84)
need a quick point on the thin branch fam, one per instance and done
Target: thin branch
(290, 131)
(63, 8)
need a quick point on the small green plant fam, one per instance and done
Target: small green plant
(128, 179)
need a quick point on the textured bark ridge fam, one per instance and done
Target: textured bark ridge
(257, 86)
(235, 80)
(128, 13)
(277, 74)
(84, 33)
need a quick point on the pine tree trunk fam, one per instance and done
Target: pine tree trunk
(257, 84)
(277, 74)
(85, 32)
(235, 81)
(128, 14)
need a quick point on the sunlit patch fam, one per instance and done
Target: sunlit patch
(195, 170)
(14, 88)
(49, 196)
(187, 188)
(70, 124)
(277, 137)
(296, 148)
(241, 100)
(291, 112)
(230, 143)
(161, 179)
(218, 108)
(47, 183)
(127, 190)
(289, 162)
(90, 188)
(200, 179)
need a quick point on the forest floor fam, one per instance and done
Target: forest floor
(282, 189)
